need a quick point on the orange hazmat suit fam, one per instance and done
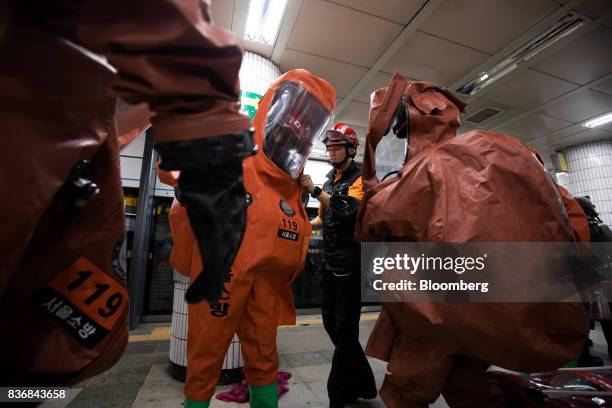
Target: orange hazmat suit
(257, 295)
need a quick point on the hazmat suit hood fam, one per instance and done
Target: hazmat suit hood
(291, 117)
(422, 113)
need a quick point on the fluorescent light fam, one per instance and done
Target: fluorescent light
(529, 49)
(263, 20)
(598, 121)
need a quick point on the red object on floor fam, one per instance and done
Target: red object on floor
(240, 392)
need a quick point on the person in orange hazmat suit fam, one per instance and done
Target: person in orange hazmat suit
(479, 186)
(62, 276)
(257, 295)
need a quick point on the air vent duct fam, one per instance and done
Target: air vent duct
(483, 115)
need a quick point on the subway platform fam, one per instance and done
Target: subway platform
(139, 379)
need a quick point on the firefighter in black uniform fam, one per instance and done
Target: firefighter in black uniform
(351, 376)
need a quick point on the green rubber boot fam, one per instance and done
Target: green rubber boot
(265, 396)
(196, 404)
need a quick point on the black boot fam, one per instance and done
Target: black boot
(589, 360)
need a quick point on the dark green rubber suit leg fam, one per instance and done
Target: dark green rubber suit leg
(265, 396)
(194, 404)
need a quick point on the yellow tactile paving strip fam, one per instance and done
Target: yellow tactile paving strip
(163, 333)
(308, 322)
(158, 333)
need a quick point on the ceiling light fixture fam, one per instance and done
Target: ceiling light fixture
(263, 20)
(529, 49)
(598, 121)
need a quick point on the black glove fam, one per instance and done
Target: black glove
(211, 188)
(344, 207)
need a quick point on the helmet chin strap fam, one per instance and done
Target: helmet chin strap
(346, 158)
(339, 165)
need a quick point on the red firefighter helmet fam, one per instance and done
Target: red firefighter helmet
(341, 134)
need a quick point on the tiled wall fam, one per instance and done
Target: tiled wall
(178, 342)
(257, 73)
(178, 339)
(590, 173)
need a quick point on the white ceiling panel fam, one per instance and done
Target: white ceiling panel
(583, 60)
(534, 126)
(338, 100)
(566, 132)
(606, 128)
(593, 8)
(465, 128)
(221, 12)
(429, 58)
(605, 86)
(342, 76)
(380, 80)
(527, 89)
(587, 136)
(340, 33)
(484, 24)
(398, 11)
(356, 113)
(583, 105)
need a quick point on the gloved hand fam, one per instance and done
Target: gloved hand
(344, 207)
(211, 188)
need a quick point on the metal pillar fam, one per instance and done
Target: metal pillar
(142, 233)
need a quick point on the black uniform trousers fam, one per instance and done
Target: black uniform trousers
(351, 376)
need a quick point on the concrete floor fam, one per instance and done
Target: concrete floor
(140, 380)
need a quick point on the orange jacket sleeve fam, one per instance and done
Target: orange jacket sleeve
(356, 189)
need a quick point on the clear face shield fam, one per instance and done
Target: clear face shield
(296, 120)
(392, 149)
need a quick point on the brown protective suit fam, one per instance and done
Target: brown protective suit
(62, 290)
(476, 187)
(131, 121)
(258, 296)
